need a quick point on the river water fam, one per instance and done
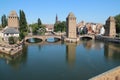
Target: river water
(61, 61)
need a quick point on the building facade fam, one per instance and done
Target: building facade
(49, 27)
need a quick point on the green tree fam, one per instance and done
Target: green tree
(39, 23)
(60, 27)
(38, 28)
(23, 24)
(41, 30)
(34, 28)
(4, 21)
(117, 19)
(0, 27)
(11, 40)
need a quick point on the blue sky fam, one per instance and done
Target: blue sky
(88, 10)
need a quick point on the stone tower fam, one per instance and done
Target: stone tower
(71, 26)
(13, 20)
(110, 28)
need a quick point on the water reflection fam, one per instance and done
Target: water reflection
(112, 51)
(52, 39)
(93, 45)
(34, 40)
(68, 61)
(87, 44)
(71, 53)
(16, 60)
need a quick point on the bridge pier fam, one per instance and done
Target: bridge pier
(70, 39)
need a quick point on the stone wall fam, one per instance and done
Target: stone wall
(107, 39)
(113, 74)
(10, 49)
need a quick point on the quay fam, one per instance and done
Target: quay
(107, 39)
(113, 74)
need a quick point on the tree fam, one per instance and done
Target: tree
(11, 40)
(60, 26)
(42, 30)
(117, 19)
(39, 23)
(34, 27)
(23, 25)
(38, 28)
(4, 21)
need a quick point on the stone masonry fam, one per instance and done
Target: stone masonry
(13, 20)
(110, 28)
(71, 26)
(113, 74)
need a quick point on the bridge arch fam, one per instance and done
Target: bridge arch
(52, 39)
(43, 38)
(87, 37)
(33, 40)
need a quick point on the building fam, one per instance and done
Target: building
(110, 28)
(80, 26)
(12, 28)
(13, 20)
(71, 31)
(71, 26)
(49, 27)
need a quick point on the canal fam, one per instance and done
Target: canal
(65, 61)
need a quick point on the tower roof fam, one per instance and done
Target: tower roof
(13, 14)
(111, 18)
(71, 15)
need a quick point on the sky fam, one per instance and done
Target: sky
(96, 11)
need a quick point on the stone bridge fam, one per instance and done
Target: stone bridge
(44, 37)
(87, 36)
(44, 43)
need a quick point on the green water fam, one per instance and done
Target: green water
(65, 61)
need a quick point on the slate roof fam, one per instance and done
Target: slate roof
(11, 30)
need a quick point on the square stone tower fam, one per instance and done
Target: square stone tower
(71, 26)
(13, 20)
(110, 27)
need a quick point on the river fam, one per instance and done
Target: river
(63, 61)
